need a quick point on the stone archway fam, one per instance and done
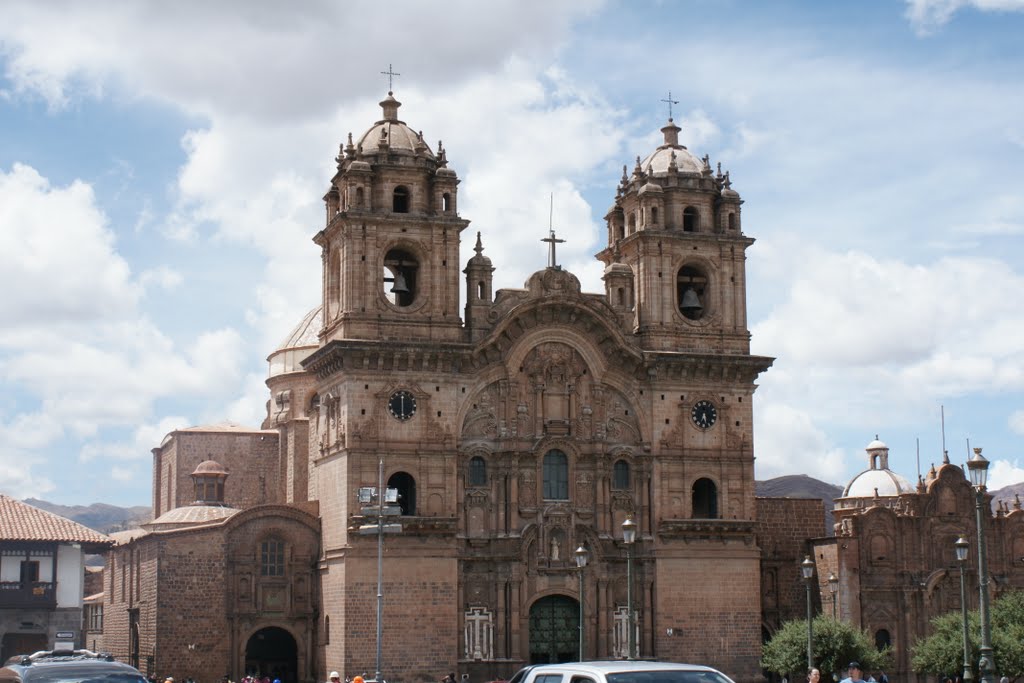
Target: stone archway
(554, 630)
(272, 652)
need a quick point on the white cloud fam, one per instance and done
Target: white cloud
(788, 442)
(1016, 421)
(1004, 473)
(926, 16)
(162, 277)
(57, 249)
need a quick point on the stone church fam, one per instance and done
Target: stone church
(517, 435)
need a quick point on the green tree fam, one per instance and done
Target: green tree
(836, 644)
(942, 652)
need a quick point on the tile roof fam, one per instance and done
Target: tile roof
(22, 522)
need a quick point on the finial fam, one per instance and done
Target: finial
(728, 183)
(719, 170)
(670, 103)
(1016, 501)
(551, 239)
(625, 179)
(390, 73)
(479, 248)
(672, 165)
(945, 457)
(350, 149)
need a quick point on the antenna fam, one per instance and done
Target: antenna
(918, 442)
(942, 413)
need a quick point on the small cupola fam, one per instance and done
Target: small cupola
(390, 106)
(208, 479)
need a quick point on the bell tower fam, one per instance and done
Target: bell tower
(390, 248)
(676, 225)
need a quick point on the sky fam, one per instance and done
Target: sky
(162, 168)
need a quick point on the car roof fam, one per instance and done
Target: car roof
(612, 666)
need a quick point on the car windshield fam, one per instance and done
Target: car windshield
(668, 677)
(70, 675)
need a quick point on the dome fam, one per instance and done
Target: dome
(886, 482)
(672, 154)
(306, 333)
(876, 445)
(478, 260)
(618, 269)
(190, 515)
(210, 467)
(650, 188)
(393, 133)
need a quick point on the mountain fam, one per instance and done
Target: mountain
(98, 516)
(801, 486)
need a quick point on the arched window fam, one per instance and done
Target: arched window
(620, 231)
(446, 202)
(556, 476)
(406, 486)
(654, 215)
(620, 475)
(359, 197)
(690, 220)
(732, 220)
(481, 290)
(400, 277)
(632, 223)
(477, 471)
(400, 200)
(705, 499)
(882, 639)
(272, 557)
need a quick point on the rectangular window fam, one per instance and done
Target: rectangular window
(29, 571)
(272, 558)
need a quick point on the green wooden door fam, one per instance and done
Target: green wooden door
(554, 630)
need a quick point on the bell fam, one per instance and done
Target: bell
(690, 303)
(399, 286)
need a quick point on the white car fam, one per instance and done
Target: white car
(624, 671)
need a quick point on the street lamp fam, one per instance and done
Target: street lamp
(581, 562)
(961, 558)
(977, 467)
(833, 588)
(628, 537)
(807, 569)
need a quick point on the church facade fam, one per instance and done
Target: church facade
(525, 432)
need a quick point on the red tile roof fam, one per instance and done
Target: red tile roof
(22, 522)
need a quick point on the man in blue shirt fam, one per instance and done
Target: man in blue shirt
(854, 674)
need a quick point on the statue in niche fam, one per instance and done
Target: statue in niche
(555, 546)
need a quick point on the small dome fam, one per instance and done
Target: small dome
(731, 193)
(650, 188)
(876, 445)
(445, 171)
(210, 467)
(885, 482)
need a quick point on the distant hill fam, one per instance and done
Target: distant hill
(1008, 494)
(801, 486)
(99, 516)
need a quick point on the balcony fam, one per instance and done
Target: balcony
(28, 595)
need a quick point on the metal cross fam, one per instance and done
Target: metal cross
(551, 239)
(390, 73)
(670, 103)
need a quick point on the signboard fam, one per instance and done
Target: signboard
(65, 635)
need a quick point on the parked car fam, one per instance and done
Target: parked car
(68, 666)
(623, 671)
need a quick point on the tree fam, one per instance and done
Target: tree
(836, 644)
(942, 652)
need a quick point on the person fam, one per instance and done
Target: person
(813, 676)
(334, 677)
(1004, 679)
(882, 678)
(854, 674)
(450, 678)
(357, 679)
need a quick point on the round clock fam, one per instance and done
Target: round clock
(704, 414)
(402, 405)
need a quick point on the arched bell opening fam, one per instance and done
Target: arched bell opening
(691, 285)
(400, 277)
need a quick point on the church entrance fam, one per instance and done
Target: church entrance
(272, 652)
(554, 630)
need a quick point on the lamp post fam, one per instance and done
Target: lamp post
(581, 562)
(833, 588)
(961, 559)
(628, 537)
(977, 467)
(807, 569)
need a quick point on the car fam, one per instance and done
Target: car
(68, 666)
(624, 671)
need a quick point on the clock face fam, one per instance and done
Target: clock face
(704, 414)
(402, 405)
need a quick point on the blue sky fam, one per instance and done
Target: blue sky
(162, 167)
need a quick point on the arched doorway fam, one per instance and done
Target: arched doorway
(272, 652)
(554, 630)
